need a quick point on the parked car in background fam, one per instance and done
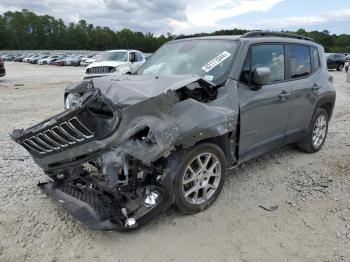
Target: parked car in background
(36, 59)
(67, 60)
(29, 56)
(15, 57)
(75, 61)
(20, 58)
(47, 60)
(58, 60)
(31, 59)
(89, 60)
(8, 57)
(2, 68)
(336, 61)
(115, 62)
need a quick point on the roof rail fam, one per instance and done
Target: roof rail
(277, 34)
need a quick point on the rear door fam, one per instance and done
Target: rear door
(264, 112)
(304, 69)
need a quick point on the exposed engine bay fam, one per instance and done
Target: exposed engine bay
(112, 156)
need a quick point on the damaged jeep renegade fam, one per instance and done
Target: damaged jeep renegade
(128, 147)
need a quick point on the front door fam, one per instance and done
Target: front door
(136, 62)
(264, 112)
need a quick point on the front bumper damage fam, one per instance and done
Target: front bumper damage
(93, 211)
(113, 157)
(62, 145)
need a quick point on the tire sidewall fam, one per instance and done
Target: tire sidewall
(319, 112)
(180, 202)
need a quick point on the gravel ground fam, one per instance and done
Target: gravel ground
(311, 191)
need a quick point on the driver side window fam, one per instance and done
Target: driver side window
(139, 57)
(271, 56)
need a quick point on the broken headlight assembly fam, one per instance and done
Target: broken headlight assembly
(71, 100)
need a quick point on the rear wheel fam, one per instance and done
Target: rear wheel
(200, 179)
(317, 133)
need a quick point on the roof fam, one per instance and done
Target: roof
(258, 36)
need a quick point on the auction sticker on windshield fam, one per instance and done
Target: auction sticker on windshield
(215, 61)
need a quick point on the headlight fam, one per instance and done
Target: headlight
(71, 100)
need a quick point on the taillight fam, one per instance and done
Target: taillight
(1, 62)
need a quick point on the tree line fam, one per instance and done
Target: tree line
(24, 30)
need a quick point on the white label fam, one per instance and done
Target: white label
(217, 60)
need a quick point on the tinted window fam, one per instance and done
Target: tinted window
(271, 56)
(315, 59)
(113, 56)
(139, 57)
(300, 61)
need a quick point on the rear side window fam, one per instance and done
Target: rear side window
(315, 59)
(300, 61)
(271, 56)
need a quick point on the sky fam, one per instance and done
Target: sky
(194, 16)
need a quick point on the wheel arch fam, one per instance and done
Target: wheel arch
(227, 143)
(327, 103)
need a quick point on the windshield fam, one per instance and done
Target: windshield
(119, 56)
(207, 58)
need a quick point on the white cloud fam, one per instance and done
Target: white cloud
(205, 15)
(209, 12)
(157, 16)
(295, 21)
(175, 16)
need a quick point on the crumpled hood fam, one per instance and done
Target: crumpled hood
(126, 90)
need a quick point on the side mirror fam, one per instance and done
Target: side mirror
(261, 76)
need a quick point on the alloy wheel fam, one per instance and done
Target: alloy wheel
(201, 178)
(319, 131)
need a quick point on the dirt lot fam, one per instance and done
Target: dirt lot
(312, 192)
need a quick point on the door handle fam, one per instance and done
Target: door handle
(315, 87)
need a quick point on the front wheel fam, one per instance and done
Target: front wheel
(316, 135)
(200, 179)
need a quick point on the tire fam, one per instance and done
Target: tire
(307, 144)
(340, 67)
(210, 178)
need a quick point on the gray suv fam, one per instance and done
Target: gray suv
(128, 147)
